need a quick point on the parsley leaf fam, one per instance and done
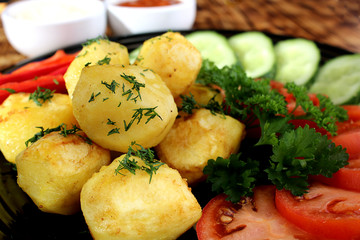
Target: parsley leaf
(300, 153)
(292, 155)
(226, 174)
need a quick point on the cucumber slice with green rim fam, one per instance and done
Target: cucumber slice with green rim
(255, 51)
(339, 79)
(297, 60)
(214, 47)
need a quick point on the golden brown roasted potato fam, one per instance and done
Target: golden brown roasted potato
(97, 52)
(195, 139)
(130, 207)
(116, 105)
(20, 117)
(174, 58)
(202, 94)
(53, 170)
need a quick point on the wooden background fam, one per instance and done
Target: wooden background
(333, 22)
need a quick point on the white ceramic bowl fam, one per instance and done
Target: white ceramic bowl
(135, 20)
(37, 27)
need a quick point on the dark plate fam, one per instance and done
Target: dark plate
(21, 219)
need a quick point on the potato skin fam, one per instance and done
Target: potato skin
(174, 58)
(20, 117)
(91, 55)
(53, 170)
(108, 110)
(129, 207)
(194, 140)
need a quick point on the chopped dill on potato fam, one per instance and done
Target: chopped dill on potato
(131, 165)
(41, 95)
(62, 129)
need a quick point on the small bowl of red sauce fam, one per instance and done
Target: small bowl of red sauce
(127, 17)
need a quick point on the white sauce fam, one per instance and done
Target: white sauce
(50, 11)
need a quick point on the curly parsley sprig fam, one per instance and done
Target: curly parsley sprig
(292, 155)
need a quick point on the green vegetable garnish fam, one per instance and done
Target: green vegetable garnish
(62, 129)
(41, 95)
(146, 155)
(283, 156)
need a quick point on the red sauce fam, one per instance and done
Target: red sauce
(149, 3)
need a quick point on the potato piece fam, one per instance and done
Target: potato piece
(194, 140)
(129, 207)
(174, 58)
(105, 101)
(53, 170)
(97, 52)
(202, 94)
(20, 117)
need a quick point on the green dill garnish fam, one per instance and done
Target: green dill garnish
(136, 86)
(41, 95)
(113, 131)
(150, 113)
(62, 129)
(112, 86)
(189, 104)
(106, 60)
(109, 122)
(56, 81)
(87, 64)
(95, 40)
(81, 55)
(8, 90)
(151, 165)
(104, 99)
(93, 96)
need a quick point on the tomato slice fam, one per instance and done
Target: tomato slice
(327, 212)
(353, 112)
(252, 218)
(345, 178)
(349, 140)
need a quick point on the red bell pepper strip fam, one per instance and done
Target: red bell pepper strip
(58, 61)
(31, 73)
(52, 82)
(59, 57)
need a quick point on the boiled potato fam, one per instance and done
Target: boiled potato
(202, 94)
(126, 206)
(114, 104)
(20, 117)
(99, 52)
(174, 58)
(53, 170)
(194, 140)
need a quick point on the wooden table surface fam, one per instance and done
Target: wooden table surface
(333, 22)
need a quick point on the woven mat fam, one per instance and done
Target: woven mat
(8, 55)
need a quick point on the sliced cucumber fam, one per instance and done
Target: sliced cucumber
(133, 54)
(214, 47)
(339, 78)
(255, 51)
(297, 60)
